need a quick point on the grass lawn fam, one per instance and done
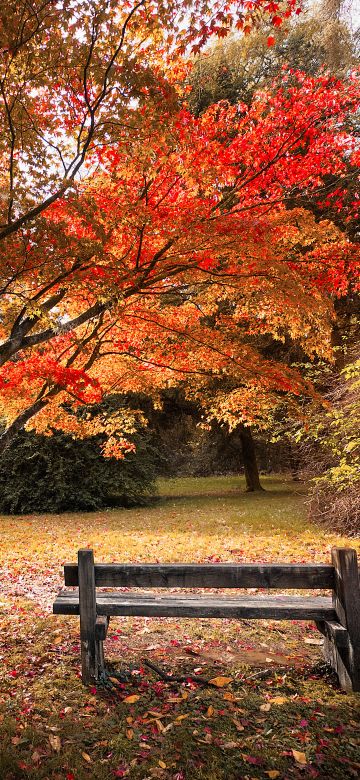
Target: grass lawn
(280, 715)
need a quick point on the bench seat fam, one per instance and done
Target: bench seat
(147, 604)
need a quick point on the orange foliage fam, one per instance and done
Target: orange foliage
(177, 252)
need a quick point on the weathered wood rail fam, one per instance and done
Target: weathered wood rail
(336, 616)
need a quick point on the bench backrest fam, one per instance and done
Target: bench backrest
(222, 575)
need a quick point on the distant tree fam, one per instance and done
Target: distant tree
(234, 68)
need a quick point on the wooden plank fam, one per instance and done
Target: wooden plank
(87, 611)
(222, 575)
(346, 600)
(190, 605)
(334, 631)
(64, 604)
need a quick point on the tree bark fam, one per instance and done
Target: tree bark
(251, 470)
(294, 464)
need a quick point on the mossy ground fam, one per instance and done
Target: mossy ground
(281, 715)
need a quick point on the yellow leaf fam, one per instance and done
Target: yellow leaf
(86, 757)
(273, 773)
(279, 700)
(220, 682)
(162, 764)
(228, 696)
(159, 725)
(300, 758)
(55, 742)
(131, 699)
(57, 640)
(184, 695)
(181, 717)
(210, 711)
(265, 707)
(129, 733)
(129, 720)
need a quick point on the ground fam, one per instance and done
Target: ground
(273, 711)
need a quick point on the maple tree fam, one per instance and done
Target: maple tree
(175, 247)
(69, 70)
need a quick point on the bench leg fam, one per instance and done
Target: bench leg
(101, 629)
(340, 661)
(87, 609)
(100, 657)
(336, 650)
(346, 598)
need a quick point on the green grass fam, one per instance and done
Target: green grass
(225, 734)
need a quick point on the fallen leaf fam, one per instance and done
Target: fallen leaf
(273, 773)
(181, 717)
(131, 699)
(86, 758)
(265, 707)
(314, 641)
(299, 757)
(129, 733)
(55, 742)
(220, 682)
(210, 711)
(228, 696)
(278, 700)
(239, 726)
(162, 764)
(252, 759)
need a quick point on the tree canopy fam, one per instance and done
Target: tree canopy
(140, 242)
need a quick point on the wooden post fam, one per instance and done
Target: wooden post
(101, 627)
(87, 609)
(346, 598)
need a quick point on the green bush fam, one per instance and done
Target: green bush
(57, 474)
(335, 487)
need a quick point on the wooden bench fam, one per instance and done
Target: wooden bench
(336, 616)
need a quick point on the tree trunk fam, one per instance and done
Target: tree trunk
(251, 470)
(294, 461)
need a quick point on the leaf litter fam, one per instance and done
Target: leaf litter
(270, 710)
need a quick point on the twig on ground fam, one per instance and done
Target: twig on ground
(265, 672)
(172, 678)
